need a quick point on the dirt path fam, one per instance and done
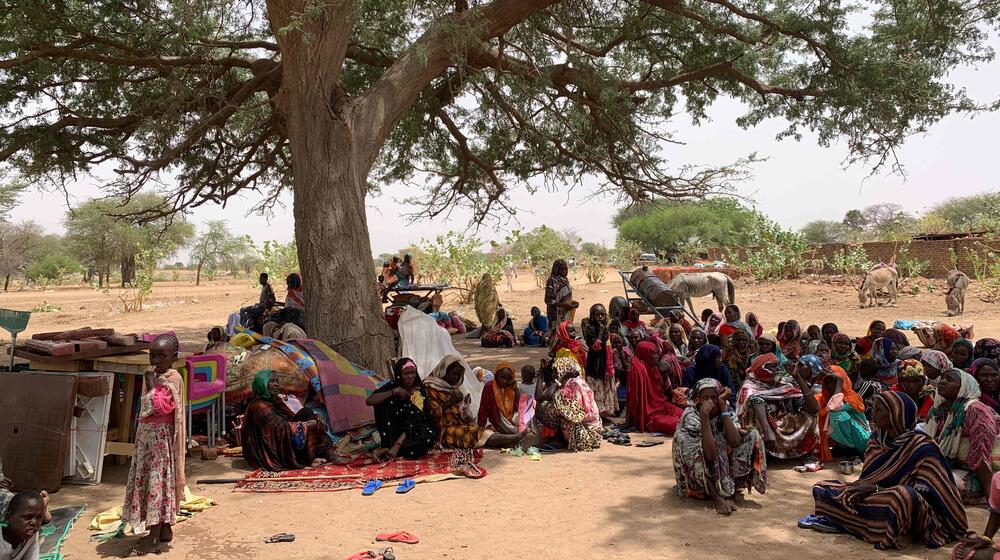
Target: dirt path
(612, 503)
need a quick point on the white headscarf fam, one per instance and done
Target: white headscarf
(968, 393)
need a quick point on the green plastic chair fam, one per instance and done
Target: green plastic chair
(13, 322)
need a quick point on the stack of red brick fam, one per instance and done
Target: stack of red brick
(66, 343)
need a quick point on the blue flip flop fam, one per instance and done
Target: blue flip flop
(371, 487)
(405, 486)
(820, 524)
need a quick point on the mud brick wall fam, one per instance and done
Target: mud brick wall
(934, 252)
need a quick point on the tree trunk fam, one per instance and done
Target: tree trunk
(6, 282)
(331, 233)
(197, 276)
(330, 172)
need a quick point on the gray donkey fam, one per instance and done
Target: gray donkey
(699, 284)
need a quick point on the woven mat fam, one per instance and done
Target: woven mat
(433, 467)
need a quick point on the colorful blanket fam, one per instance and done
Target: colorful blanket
(435, 466)
(345, 387)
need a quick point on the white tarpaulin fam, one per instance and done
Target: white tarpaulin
(424, 342)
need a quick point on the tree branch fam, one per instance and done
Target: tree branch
(380, 109)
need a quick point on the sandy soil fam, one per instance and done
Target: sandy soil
(613, 503)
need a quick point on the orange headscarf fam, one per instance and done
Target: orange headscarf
(505, 398)
(850, 397)
(568, 342)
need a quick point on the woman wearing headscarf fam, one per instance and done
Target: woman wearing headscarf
(714, 323)
(905, 492)
(821, 350)
(987, 373)
(276, 439)
(935, 363)
(986, 348)
(790, 340)
(767, 343)
(217, 341)
(708, 364)
(714, 458)
(966, 429)
(884, 354)
(913, 382)
(841, 414)
(295, 297)
(755, 325)
(534, 334)
(738, 356)
(961, 354)
(599, 366)
(633, 323)
(567, 344)
(501, 334)
(734, 317)
(842, 353)
(565, 402)
(827, 331)
(678, 340)
(559, 304)
(498, 407)
(449, 407)
(696, 340)
(649, 408)
(865, 343)
(404, 430)
(781, 406)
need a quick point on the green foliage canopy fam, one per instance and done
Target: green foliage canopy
(978, 212)
(669, 227)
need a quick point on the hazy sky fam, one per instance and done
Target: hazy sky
(800, 181)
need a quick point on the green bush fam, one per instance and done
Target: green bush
(52, 267)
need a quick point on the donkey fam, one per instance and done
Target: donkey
(692, 284)
(954, 298)
(884, 278)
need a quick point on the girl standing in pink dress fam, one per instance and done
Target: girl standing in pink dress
(156, 479)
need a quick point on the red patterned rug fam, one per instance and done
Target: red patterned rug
(436, 465)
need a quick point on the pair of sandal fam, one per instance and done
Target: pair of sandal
(373, 486)
(620, 439)
(820, 524)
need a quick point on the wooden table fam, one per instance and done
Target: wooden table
(124, 413)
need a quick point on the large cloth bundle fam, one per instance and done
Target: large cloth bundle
(421, 340)
(647, 283)
(291, 378)
(487, 301)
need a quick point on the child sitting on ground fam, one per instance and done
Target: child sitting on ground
(22, 522)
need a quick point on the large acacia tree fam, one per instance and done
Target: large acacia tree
(463, 99)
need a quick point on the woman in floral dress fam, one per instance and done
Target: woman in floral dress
(155, 487)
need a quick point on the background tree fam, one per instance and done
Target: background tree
(856, 224)
(334, 98)
(105, 233)
(10, 191)
(818, 232)
(17, 242)
(978, 212)
(213, 247)
(668, 227)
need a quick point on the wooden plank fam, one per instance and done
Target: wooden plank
(76, 334)
(23, 352)
(118, 448)
(50, 347)
(67, 366)
(133, 364)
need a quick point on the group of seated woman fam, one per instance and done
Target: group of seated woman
(731, 395)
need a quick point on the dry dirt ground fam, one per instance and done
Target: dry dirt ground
(613, 503)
